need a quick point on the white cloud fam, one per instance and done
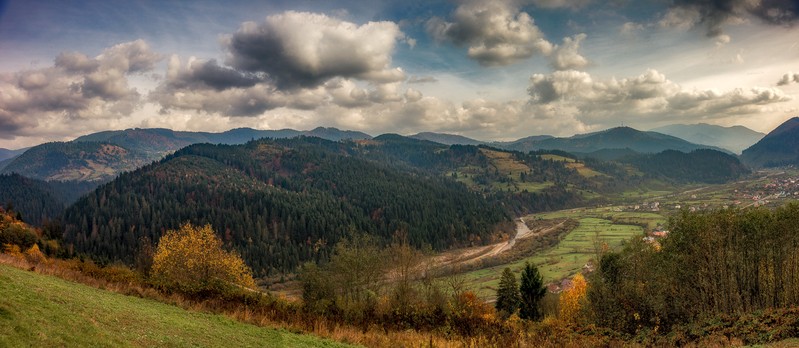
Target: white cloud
(52, 100)
(567, 56)
(647, 98)
(631, 28)
(301, 49)
(681, 17)
(496, 33)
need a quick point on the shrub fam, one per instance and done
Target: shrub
(191, 260)
(34, 255)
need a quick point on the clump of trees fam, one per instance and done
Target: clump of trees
(365, 284)
(724, 262)
(192, 260)
(526, 297)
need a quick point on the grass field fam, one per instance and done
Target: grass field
(574, 251)
(44, 311)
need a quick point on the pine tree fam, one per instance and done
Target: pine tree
(532, 290)
(507, 294)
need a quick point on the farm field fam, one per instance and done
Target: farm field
(596, 227)
(44, 311)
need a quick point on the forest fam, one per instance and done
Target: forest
(279, 203)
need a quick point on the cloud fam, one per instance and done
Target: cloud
(76, 87)
(206, 87)
(648, 97)
(630, 28)
(573, 4)
(714, 14)
(422, 79)
(300, 49)
(208, 74)
(788, 79)
(496, 33)
(566, 56)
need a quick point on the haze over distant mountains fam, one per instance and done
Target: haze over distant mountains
(735, 138)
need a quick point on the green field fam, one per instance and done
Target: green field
(44, 311)
(576, 248)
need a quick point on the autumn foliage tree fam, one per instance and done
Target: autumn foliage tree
(573, 299)
(191, 260)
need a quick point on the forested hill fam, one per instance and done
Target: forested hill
(779, 148)
(279, 203)
(703, 165)
(35, 200)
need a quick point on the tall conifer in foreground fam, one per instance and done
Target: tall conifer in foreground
(507, 294)
(532, 290)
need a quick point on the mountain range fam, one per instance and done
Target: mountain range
(614, 138)
(735, 138)
(101, 156)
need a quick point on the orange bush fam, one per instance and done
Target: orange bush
(34, 255)
(191, 260)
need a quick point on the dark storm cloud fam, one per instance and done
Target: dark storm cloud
(210, 74)
(715, 13)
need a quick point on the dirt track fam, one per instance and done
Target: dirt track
(468, 256)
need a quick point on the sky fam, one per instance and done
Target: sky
(489, 70)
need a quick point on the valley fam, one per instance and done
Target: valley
(414, 217)
(469, 173)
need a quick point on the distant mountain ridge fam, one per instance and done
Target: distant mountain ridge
(446, 139)
(101, 156)
(7, 153)
(613, 138)
(735, 138)
(779, 147)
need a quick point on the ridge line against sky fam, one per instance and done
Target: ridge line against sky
(489, 70)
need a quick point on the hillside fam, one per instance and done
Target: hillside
(524, 144)
(83, 161)
(279, 203)
(446, 139)
(699, 166)
(614, 138)
(777, 148)
(35, 200)
(44, 311)
(101, 156)
(735, 138)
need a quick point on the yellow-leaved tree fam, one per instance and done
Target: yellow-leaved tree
(572, 300)
(191, 260)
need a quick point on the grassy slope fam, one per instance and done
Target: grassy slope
(44, 311)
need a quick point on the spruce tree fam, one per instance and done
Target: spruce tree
(532, 290)
(507, 294)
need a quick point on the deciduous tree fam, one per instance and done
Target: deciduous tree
(191, 260)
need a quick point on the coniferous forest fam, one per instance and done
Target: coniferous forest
(279, 203)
